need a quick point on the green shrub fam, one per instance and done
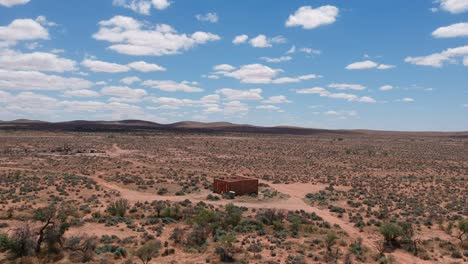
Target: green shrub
(118, 208)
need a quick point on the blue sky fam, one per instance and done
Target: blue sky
(390, 65)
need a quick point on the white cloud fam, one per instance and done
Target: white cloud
(29, 104)
(43, 21)
(407, 100)
(362, 65)
(254, 73)
(385, 67)
(130, 80)
(454, 6)
(291, 50)
(277, 60)
(240, 39)
(261, 41)
(324, 93)
(10, 3)
(268, 107)
(240, 95)
(146, 67)
(131, 37)
(81, 93)
(109, 67)
(210, 103)
(37, 61)
(102, 66)
(235, 108)
(34, 80)
(452, 31)
(139, 6)
(208, 17)
(171, 86)
(386, 88)
(161, 4)
(310, 51)
(346, 86)
(367, 99)
(438, 59)
(259, 73)
(224, 67)
(368, 64)
(295, 79)
(341, 114)
(465, 61)
(310, 18)
(23, 29)
(142, 6)
(279, 99)
(123, 94)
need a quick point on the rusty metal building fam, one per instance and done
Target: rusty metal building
(238, 185)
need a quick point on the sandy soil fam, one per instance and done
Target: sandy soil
(295, 201)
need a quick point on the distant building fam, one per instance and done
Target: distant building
(237, 185)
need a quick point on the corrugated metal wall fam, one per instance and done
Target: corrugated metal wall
(241, 187)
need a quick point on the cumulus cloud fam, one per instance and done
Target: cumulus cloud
(142, 6)
(368, 64)
(208, 17)
(346, 96)
(224, 67)
(132, 37)
(10, 3)
(269, 107)
(240, 95)
(145, 67)
(346, 86)
(277, 60)
(172, 86)
(278, 99)
(34, 80)
(36, 61)
(43, 21)
(123, 94)
(240, 39)
(452, 31)
(259, 73)
(23, 29)
(454, 6)
(26, 105)
(102, 66)
(439, 59)
(262, 41)
(81, 93)
(386, 88)
(407, 100)
(310, 18)
(109, 67)
(161, 4)
(341, 114)
(235, 108)
(209, 103)
(130, 80)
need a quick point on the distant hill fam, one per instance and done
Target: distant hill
(195, 127)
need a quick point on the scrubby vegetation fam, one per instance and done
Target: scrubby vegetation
(60, 198)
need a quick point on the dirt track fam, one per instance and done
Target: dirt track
(295, 202)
